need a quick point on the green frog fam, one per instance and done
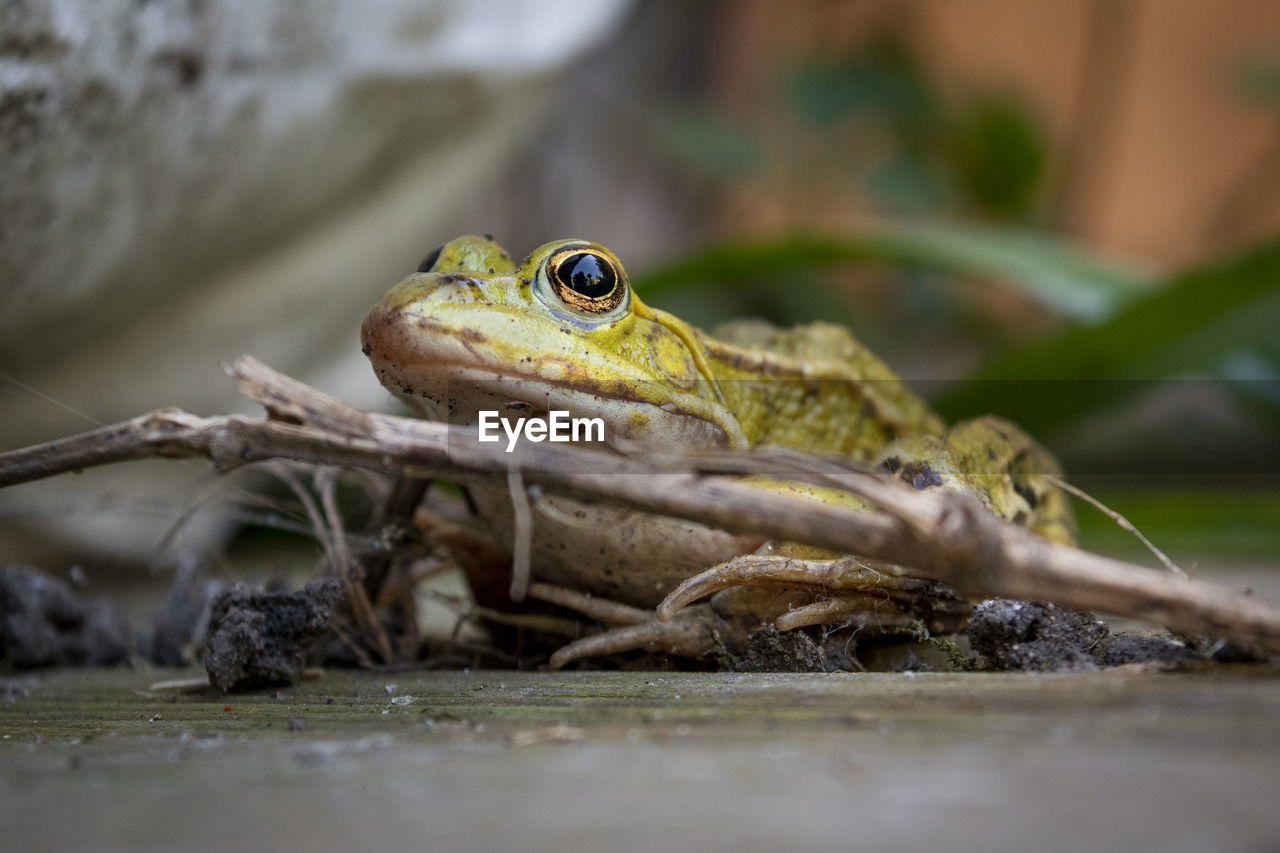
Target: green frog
(473, 332)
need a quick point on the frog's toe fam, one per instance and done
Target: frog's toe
(860, 611)
(687, 637)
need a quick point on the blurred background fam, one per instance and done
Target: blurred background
(1064, 213)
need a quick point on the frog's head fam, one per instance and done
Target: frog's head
(471, 331)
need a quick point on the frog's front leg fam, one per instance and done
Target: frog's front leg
(837, 591)
(697, 632)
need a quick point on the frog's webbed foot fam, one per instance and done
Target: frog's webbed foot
(848, 590)
(696, 633)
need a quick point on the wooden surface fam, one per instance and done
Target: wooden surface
(91, 760)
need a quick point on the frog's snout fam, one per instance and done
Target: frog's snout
(386, 334)
(407, 325)
(422, 294)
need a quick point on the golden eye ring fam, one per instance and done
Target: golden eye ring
(586, 280)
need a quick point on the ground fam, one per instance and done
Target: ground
(1120, 759)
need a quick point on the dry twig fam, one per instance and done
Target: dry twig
(937, 534)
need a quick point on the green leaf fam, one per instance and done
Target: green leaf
(999, 155)
(1194, 323)
(1058, 275)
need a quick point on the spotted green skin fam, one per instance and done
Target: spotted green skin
(475, 332)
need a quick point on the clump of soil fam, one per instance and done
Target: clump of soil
(44, 623)
(259, 639)
(1119, 649)
(1039, 637)
(771, 650)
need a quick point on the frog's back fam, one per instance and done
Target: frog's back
(814, 387)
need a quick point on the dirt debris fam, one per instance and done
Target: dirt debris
(259, 639)
(1038, 637)
(771, 650)
(1120, 649)
(43, 622)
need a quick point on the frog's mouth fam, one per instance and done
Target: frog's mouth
(459, 393)
(454, 375)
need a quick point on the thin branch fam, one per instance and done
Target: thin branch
(326, 481)
(522, 535)
(1123, 523)
(935, 534)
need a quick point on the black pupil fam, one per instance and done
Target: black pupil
(430, 260)
(585, 273)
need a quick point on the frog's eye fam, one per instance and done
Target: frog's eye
(586, 280)
(430, 260)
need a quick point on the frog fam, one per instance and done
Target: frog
(472, 330)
